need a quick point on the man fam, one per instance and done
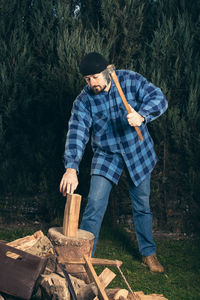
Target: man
(116, 146)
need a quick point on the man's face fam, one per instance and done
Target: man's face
(97, 83)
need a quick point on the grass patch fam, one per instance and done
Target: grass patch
(13, 234)
(181, 259)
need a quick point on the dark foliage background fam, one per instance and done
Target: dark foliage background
(42, 43)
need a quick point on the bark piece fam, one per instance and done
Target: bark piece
(90, 291)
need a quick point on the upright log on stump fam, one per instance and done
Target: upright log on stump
(71, 215)
(77, 243)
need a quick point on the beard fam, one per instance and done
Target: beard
(97, 89)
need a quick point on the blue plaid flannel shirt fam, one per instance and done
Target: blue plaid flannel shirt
(115, 143)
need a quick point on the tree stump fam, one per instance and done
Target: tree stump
(72, 248)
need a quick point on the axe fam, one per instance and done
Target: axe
(111, 70)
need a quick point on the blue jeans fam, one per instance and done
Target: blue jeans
(99, 192)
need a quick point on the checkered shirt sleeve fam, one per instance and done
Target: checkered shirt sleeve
(78, 132)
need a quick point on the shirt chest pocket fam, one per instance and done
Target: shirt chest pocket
(101, 123)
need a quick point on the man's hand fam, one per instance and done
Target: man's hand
(134, 119)
(69, 182)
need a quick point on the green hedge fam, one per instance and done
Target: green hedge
(42, 43)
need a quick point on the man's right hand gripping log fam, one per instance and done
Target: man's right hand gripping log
(99, 109)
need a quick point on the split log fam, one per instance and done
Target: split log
(82, 290)
(93, 277)
(71, 215)
(37, 244)
(121, 295)
(94, 261)
(117, 294)
(90, 291)
(141, 296)
(27, 242)
(106, 277)
(71, 251)
(53, 286)
(72, 248)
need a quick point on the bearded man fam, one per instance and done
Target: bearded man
(98, 110)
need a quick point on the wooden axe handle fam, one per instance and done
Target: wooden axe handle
(111, 70)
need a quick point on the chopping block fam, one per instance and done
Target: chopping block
(72, 243)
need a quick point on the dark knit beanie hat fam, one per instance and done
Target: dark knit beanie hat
(92, 63)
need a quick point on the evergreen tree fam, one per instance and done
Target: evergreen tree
(42, 43)
(174, 66)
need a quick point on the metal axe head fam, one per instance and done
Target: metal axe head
(111, 69)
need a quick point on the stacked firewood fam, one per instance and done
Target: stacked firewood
(52, 283)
